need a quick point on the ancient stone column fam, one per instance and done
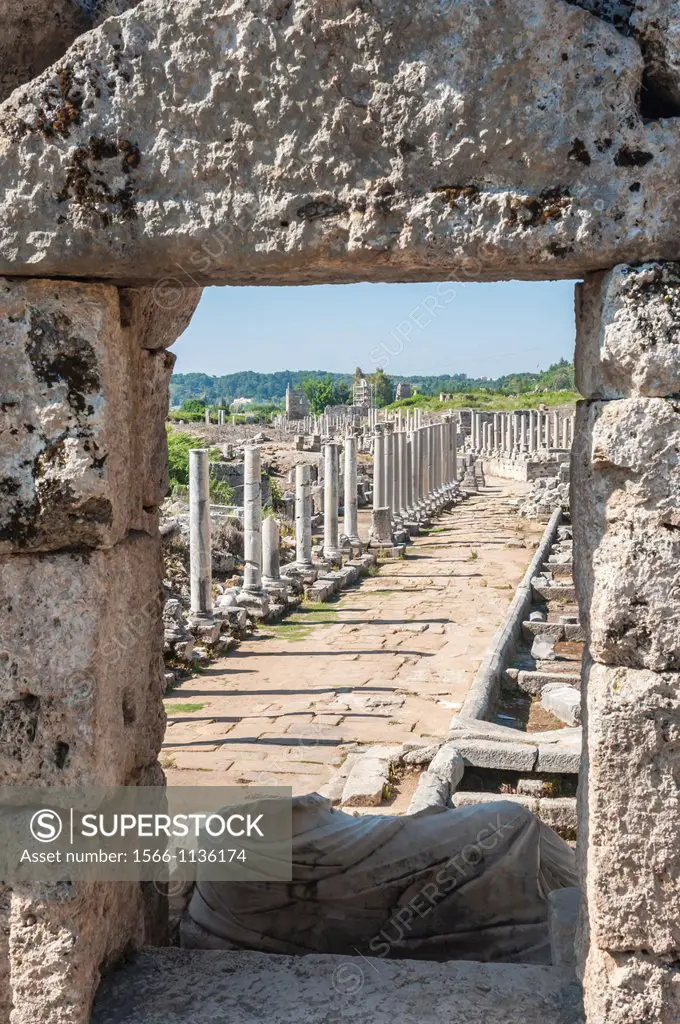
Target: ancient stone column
(434, 460)
(200, 557)
(252, 520)
(402, 476)
(394, 505)
(409, 475)
(424, 487)
(379, 469)
(303, 516)
(351, 519)
(388, 467)
(381, 527)
(444, 455)
(626, 506)
(331, 544)
(531, 440)
(555, 430)
(454, 450)
(271, 559)
(565, 433)
(415, 468)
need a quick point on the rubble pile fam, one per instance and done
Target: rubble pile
(188, 642)
(548, 493)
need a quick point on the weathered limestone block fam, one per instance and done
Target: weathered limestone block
(151, 463)
(631, 988)
(81, 672)
(82, 443)
(424, 139)
(632, 858)
(160, 314)
(656, 23)
(656, 26)
(34, 34)
(626, 504)
(5, 989)
(628, 324)
(61, 938)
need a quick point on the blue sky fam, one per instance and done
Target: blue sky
(477, 329)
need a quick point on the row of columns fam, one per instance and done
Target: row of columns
(413, 468)
(413, 472)
(521, 433)
(351, 418)
(261, 537)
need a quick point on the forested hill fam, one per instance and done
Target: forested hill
(271, 387)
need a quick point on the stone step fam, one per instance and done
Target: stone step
(557, 812)
(552, 591)
(558, 569)
(560, 632)
(534, 682)
(488, 745)
(537, 628)
(574, 632)
(182, 986)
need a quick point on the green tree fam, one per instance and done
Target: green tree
(179, 445)
(383, 389)
(320, 393)
(343, 393)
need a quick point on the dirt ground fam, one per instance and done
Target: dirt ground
(389, 662)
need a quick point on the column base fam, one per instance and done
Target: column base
(254, 602)
(306, 572)
(353, 546)
(276, 589)
(333, 555)
(380, 535)
(205, 627)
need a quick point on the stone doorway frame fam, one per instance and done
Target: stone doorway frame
(82, 534)
(85, 371)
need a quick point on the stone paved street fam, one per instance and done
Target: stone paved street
(389, 662)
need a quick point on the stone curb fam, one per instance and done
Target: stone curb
(559, 813)
(437, 784)
(485, 687)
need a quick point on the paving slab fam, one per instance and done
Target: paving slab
(176, 986)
